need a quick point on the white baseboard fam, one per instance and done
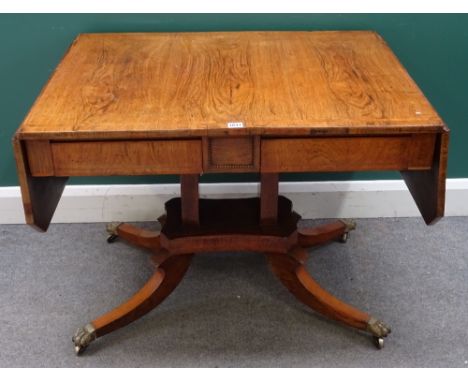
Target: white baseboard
(312, 200)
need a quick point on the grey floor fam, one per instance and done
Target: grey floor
(229, 310)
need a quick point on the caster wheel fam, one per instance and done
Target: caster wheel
(79, 349)
(379, 342)
(112, 238)
(344, 237)
(112, 230)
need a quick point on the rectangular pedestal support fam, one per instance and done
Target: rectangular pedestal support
(269, 198)
(190, 199)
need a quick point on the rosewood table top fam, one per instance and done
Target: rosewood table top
(193, 84)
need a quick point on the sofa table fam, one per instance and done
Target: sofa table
(225, 102)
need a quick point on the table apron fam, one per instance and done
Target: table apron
(101, 158)
(250, 154)
(333, 154)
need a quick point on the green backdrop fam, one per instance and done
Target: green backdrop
(433, 48)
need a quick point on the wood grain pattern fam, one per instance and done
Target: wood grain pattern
(144, 85)
(127, 157)
(346, 153)
(229, 242)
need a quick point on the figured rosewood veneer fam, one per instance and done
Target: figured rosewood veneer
(397, 152)
(263, 102)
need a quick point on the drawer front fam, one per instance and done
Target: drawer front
(409, 152)
(225, 154)
(89, 158)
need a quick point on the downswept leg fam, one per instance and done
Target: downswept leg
(291, 272)
(164, 280)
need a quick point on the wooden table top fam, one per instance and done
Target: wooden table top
(138, 85)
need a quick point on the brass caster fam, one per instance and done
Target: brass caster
(379, 331)
(350, 225)
(79, 349)
(379, 342)
(112, 238)
(344, 237)
(111, 229)
(83, 337)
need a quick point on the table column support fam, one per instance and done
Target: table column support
(190, 199)
(269, 184)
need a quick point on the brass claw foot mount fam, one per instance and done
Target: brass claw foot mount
(350, 226)
(83, 337)
(111, 229)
